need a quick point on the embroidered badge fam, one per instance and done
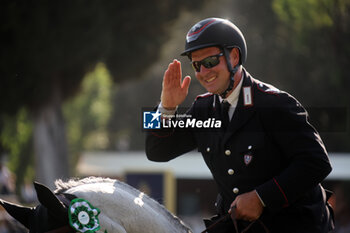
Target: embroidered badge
(247, 159)
(83, 217)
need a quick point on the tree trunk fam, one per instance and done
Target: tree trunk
(50, 145)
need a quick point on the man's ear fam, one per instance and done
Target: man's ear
(234, 55)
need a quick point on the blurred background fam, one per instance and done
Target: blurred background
(75, 76)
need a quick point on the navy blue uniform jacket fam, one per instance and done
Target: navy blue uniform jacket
(269, 146)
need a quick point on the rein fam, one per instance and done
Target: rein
(222, 219)
(233, 216)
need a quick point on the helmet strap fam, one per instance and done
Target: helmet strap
(232, 71)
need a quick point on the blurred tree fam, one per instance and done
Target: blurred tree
(318, 33)
(48, 46)
(16, 137)
(88, 113)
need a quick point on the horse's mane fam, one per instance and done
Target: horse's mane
(63, 186)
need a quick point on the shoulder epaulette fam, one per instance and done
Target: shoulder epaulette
(267, 88)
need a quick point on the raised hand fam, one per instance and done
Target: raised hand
(174, 89)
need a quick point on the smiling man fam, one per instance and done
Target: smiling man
(266, 158)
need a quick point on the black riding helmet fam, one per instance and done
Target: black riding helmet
(217, 32)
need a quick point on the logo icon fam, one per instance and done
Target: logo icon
(151, 120)
(247, 159)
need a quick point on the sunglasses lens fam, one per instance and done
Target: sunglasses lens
(208, 62)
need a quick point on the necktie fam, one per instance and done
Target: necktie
(225, 106)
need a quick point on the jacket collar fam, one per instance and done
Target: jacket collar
(245, 107)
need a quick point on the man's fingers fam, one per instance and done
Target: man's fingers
(173, 69)
(174, 89)
(186, 83)
(169, 76)
(177, 73)
(173, 74)
(232, 207)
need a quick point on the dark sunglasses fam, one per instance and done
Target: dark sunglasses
(207, 62)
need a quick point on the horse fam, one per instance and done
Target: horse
(95, 204)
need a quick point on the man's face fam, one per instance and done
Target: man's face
(215, 79)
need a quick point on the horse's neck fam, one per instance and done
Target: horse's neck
(123, 211)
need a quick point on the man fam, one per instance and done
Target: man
(266, 158)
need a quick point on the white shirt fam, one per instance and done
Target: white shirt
(233, 98)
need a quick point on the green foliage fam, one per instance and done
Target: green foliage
(16, 140)
(319, 31)
(16, 132)
(313, 16)
(88, 113)
(306, 14)
(318, 34)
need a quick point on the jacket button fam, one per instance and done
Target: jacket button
(235, 190)
(230, 171)
(208, 149)
(227, 152)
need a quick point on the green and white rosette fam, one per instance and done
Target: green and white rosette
(83, 217)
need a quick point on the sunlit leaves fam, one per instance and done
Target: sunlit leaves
(88, 113)
(305, 14)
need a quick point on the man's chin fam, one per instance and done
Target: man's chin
(213, 91)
